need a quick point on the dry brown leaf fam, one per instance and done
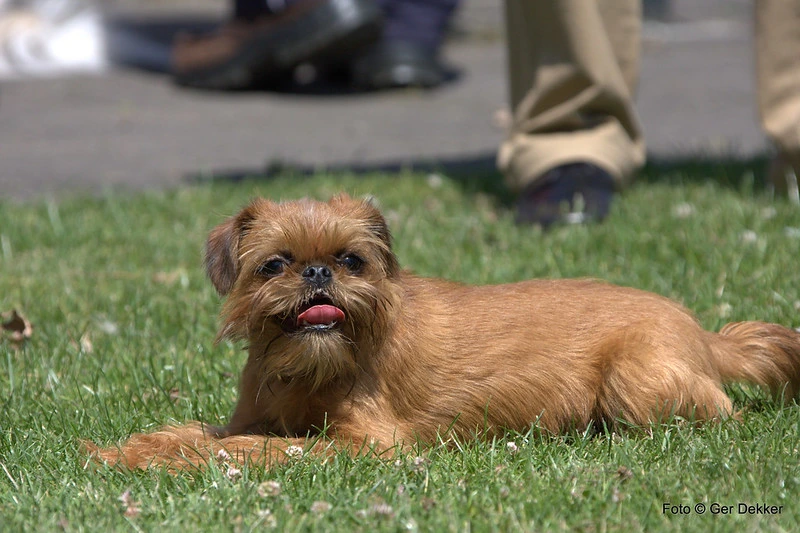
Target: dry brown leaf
(16, 328)
(170, 278)
(86, 343)
(624, 473)
(175, 395)
(166, 278)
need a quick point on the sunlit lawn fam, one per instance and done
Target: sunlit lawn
(124, 324)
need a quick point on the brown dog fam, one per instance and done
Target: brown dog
(340, 338)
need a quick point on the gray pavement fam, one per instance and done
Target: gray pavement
(127, 129)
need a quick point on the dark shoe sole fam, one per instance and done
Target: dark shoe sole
(554, 198)
(328, 32)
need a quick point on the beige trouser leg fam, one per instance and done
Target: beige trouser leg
(778, 79)
(573, 68)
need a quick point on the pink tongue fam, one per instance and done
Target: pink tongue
(320, 314)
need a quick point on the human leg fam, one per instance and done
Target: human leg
(573, 67)
(408, 53)
(778, 80)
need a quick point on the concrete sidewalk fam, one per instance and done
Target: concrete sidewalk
(134, 130)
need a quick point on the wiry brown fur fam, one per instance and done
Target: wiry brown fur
(416, 357)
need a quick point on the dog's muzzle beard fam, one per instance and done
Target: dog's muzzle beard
(310, 347)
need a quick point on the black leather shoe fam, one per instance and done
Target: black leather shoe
(247, 53)
(395, 64)
(574, 193)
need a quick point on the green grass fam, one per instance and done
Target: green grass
(123, 341)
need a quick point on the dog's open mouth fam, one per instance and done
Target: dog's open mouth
(318, 314)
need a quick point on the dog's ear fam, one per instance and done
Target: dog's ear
(222, 250)
(377, 224)
(365, 210)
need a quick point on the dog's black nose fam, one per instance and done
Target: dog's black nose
(318, 275)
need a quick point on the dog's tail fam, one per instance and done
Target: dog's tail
(761, 353)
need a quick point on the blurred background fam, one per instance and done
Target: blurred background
(93, 122)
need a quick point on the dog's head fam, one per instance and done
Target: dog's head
(309, 284)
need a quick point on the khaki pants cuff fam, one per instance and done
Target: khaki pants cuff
(525, 158)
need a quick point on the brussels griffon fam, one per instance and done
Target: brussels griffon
(340, 338)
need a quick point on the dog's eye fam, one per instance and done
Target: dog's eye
(351, 262)
(273, 267)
